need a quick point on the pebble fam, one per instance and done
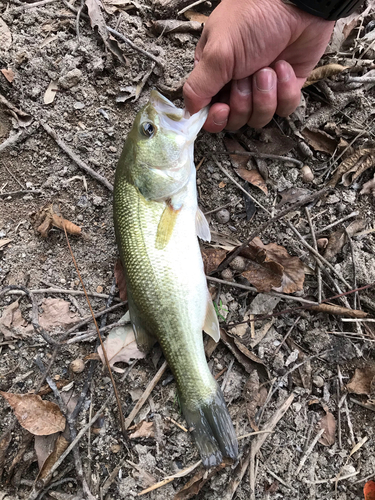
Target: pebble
(78, 105)
(318, 381)
(222, 216)
(238, 264)
(71, 79)
(97, 200)
(227, 275)
(77, 366)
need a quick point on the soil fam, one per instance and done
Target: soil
(89, 115)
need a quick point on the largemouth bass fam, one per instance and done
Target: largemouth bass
(157, 220)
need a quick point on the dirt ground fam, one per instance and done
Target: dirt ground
(306, 355)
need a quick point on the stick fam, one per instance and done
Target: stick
(264, 156)
(309, 450)
(198, 2)
(145, 395)
(134, 46)
(318, 272)
(80, 163)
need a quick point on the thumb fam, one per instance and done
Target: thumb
(204, 82)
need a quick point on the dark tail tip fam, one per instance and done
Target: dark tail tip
(212, 429)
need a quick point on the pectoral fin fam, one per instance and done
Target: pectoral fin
(202, 227)
(166, 225)
(211, 323)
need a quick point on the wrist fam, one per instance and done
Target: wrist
(328, 9)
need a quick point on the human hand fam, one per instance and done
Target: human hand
(255, 56)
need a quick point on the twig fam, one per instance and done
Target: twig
(350, 426)
(70, 292)
(332, 479)
(14, 177)
(145, 395)
(88, 319)
(121, 416)
(309, 450)
(81, 164)
(269, 222)
(278, 478)
(169, 419)
(91, 333)
(318, 273)
(226, 378)
(236, 481)
(264, 156)
(254, 290)
(134, 46)
(354, 267)
(364, 320)
(22, 191)
(286, 336)
(31, 5)
(20, 136)
(198, 2)
(330, 226)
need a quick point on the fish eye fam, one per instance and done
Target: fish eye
(148, 129)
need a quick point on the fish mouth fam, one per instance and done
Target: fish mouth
(176, 119)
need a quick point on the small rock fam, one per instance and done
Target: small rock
(238, 264)
(97, 200)
(78, 105)
(71, 79)
(99, 289)
(83, 201)
(332, 199)
(227, 275)
(222, 216)
(318, 381)
(77, 366)
(306, 173)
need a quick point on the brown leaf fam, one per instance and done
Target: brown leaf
(61, 445)
(293, 195)
(12, 324)
(212, 258)
(328, 423)
(240, 162)
(34, 414)
(246, 358)
(196, 483)
(44, 446)
(5, 440)
(366, 162)
(120, 280)
(255, 396)
(338, 239)
(97, 20)
(369, 187)
(56, 313)
(5, 36)
(363, 381)
(120, 346)
(323, 72)
(112, 6)
(273, 141)
(350, 162)
(195, 16)
(60, 222)
(4, 242)
(271, 268)
(344, 26)
(320, 140)
(9, 74)
(143, 430)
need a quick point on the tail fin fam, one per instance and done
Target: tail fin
(212, 429)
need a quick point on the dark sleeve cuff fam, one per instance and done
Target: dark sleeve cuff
(328, 9)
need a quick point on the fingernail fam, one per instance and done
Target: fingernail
(196, 61)
(220, 117)
(244, 86)
(284, 71)
(265, 80)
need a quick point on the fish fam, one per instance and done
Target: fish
(157, 221)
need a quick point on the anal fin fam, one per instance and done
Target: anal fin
(201, 226)
(145, 340)
(211, 323)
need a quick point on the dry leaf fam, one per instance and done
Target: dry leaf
(46, 217)
(363, 381)
(4, 242)
(369, 187)
(292, 195)
(320, 140)
(255, 396)
(5, 36)
(240, 162)
(44, 446)
(56, 313)
(12, 324)
(328, 423)
(50, 93)
(222, 185)
(112, 6)
(338, 239)
(200, 478)
(273, 141)
(120, 280)
(143, 430)
(246, 358)
(9, 74)
(34, 414)
(94, 8)
(369, 490)
(165, 26)
(195, 16)
(323, 72)
(120, 346)
(212, 258)
(344, 26)
(70, 227)
(61, 445)
(270, 267)
(351, 162)
(366, 162)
